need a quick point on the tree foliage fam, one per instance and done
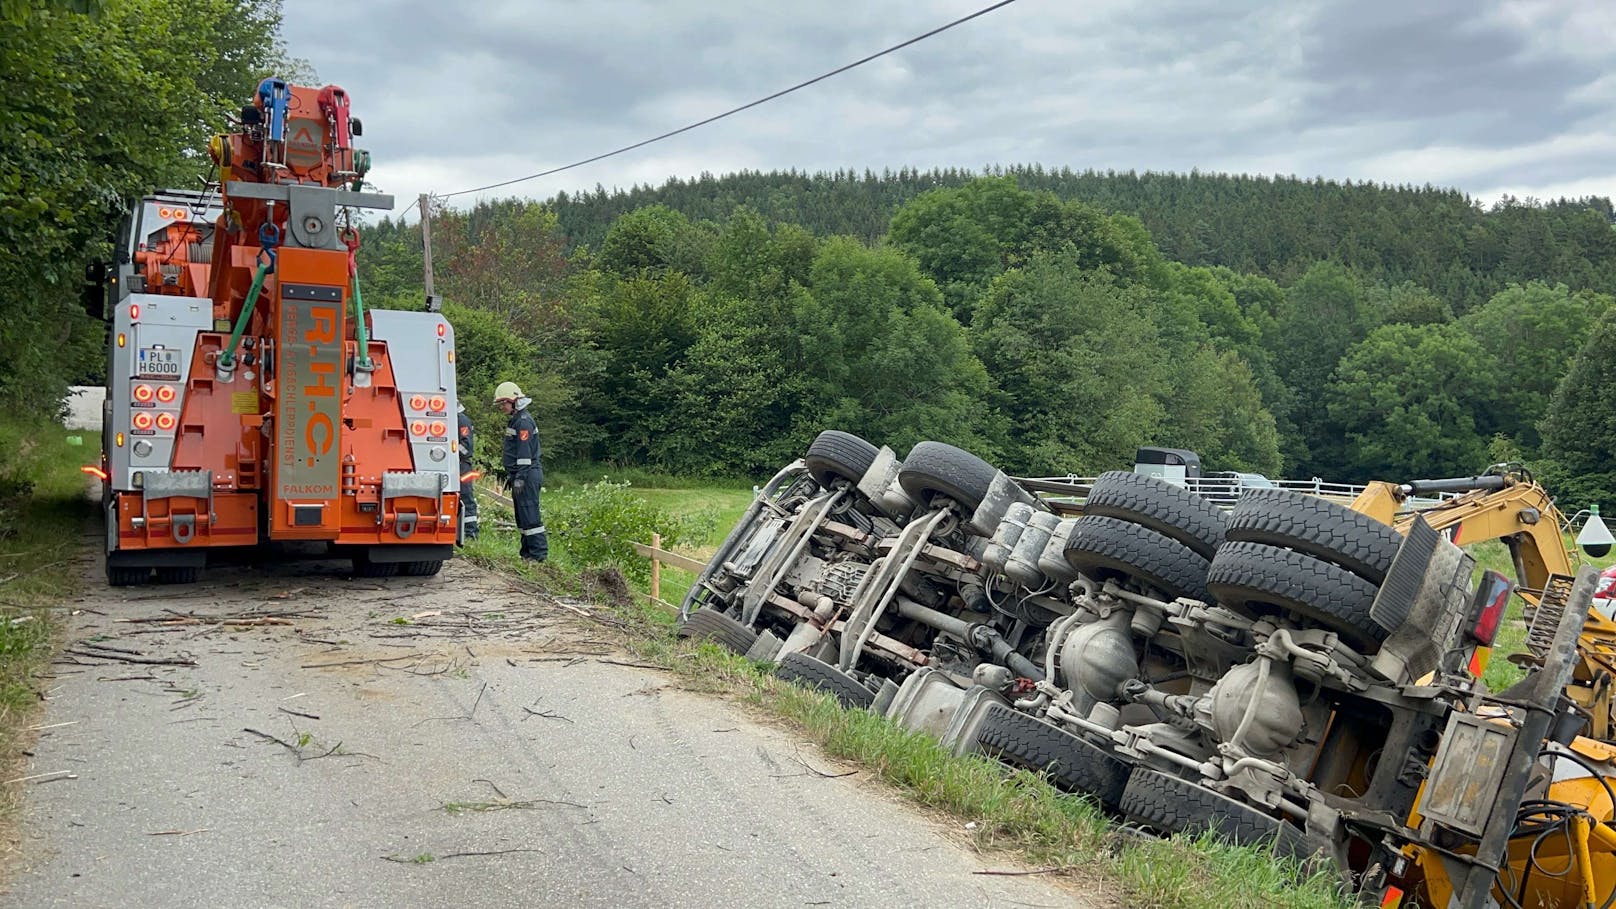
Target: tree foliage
(101, 106)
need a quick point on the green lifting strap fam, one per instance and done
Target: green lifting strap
(360, 334)
(227, 359)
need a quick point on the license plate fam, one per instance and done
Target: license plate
(158, 363)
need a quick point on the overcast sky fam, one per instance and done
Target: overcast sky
(1486, 96)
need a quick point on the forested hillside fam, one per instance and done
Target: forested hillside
(1047, 333)
(1436, 238)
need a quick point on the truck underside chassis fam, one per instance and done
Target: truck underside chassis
(1293, 672)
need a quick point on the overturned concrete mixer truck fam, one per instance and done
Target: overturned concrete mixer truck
(1295, 671)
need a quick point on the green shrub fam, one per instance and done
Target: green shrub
(597, 523)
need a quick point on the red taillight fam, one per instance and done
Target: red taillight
(134, 311)
(418, 428)
(143, 393)
(165, 393)
(418, 402)
(165, 421)
(442, 329)
(438, 404)
(142, 420)
(1489, 606)
(438, 428)
(165, 213)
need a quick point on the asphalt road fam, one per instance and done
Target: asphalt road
(449, 741)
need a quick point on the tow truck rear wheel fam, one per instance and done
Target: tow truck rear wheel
(127, 575)
(1071, 763)
(365, 568)
(420, 569)
(1170, 804)
(172, 574)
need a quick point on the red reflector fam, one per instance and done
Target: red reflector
(1393, 898)
(438, 403)
(165, 421)
(1489, 606)
(1478, 661)
(418, 428)
(143, 392)
(143, 420)
(96, 472)
(165, 393)
(418, 402)
(134, 311)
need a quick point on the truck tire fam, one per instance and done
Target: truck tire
(712, 625)
(836, 455)
(1258, 579)
(365, 568)
(1108, 547)
(1171, 511)
(170, 574)
(808, 672)
(1070, 762)
(420, 569)
(936, 469)
(127, 576)
(1318, 527)
(1170, 804)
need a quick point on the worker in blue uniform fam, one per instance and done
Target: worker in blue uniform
(468, 490)
(523, 469)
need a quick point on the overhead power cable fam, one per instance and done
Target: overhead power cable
(716, 117)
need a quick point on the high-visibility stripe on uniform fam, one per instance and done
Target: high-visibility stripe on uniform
(533, 531)
(470, 520)
(524, 462)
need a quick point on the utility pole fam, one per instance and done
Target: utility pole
(433, 304)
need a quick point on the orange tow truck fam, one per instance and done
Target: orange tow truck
(251, 398)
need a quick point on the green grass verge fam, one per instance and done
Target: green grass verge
(43, 519)
(1009, 812)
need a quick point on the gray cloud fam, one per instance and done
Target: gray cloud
(1503, 95)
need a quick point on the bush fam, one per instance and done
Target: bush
(597, 523)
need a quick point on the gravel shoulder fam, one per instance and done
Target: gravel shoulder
(440, 741)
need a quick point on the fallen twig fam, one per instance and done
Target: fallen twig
(176, 832)
(296, 752)
(429, 859)
(406, 656)
(545, 714)
(312, 716)
(45, 777)
(993, 871)
(121, 658)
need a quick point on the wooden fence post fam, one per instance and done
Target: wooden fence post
(656, 568)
